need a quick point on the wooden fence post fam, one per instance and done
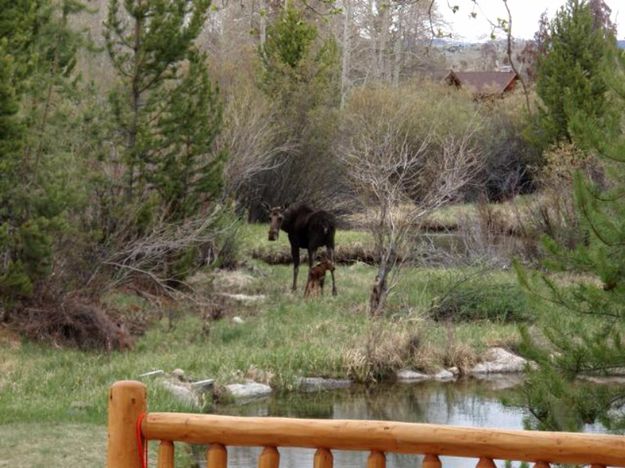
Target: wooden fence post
(323, 459)
(127, 400)
(376, 459)
(269, 458)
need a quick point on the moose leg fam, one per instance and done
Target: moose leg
(311, 256)
(295, 256)
(331, 257)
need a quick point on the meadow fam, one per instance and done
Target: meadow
(54, 398)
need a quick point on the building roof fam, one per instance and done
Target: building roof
(483, 82)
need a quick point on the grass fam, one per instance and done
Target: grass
(55, 399)
(286, 336)
(51, 439)
(253, 237)
(510, 216)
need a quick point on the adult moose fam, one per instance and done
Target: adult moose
(307, 229)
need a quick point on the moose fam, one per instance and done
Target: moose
(307, 229)
(317, 277)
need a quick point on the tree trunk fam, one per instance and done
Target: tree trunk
(263, 24)
(383, 55)
(347, 13)
(379, 291)
(398, 50)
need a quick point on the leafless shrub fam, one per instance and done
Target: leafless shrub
(253, 139)
(402, 165)
(72, 322)
(554, 213)
(162, 258)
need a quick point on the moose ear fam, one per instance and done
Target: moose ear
(286, 205)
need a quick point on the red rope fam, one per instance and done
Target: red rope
(142, 444)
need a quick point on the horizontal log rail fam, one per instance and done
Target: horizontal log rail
(126, 407)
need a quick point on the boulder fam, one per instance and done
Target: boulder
(248, 391)
(409, 375)
(182, 392)
(444, 375)
(499, 361)
(314, 384)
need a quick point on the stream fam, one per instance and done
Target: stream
(468, 402)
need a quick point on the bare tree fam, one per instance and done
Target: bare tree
(253, 139)
(401, 167)
(150, 257)
(384, 41)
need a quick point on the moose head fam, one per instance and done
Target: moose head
(276, 216)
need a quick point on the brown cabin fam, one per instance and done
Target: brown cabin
(483, 83)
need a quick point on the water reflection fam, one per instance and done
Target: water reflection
(466, 403)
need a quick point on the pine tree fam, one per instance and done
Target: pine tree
(165, 106)
(299, 67)
(38, 55)
(568, 75)
(13, 279)
(300, 72)
(582, 325)
(184, 172)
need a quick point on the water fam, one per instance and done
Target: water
(465, 403)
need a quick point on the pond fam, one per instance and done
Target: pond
(468, 402)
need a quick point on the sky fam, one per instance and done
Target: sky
(525, 15)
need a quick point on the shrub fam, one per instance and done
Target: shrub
(472, 300)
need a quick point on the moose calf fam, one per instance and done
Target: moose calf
(316, 277)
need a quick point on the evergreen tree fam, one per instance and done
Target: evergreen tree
(568, 75)
(38, 55)
(582, 325)
(13, 279)
(300, 72)
(165, 107)
(183, 172)
(299, 68)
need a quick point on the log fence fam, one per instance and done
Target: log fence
(130, 425)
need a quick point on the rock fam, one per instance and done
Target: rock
(499, 361)
(454, 370)
(238, 320)
(408, 375)
(182, 392)
(152, 373)
(444, 375)
(314, 384)
(248, 391)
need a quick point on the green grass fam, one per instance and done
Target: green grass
(254, 237)
(52, 394)
(287, 336)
